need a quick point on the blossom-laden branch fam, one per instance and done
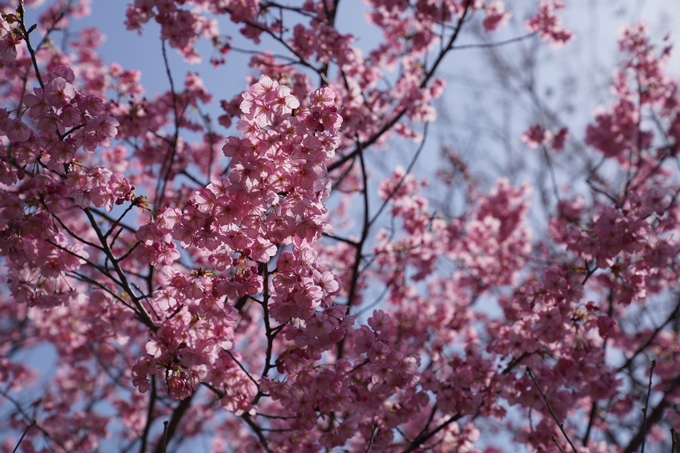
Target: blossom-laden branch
(159, 252)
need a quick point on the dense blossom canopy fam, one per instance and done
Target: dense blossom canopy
(246, 281)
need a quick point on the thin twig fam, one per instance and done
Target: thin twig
(143, 314)
(395, 119)
(116, 223)
(164, 441)
(673, 315)
(591, 420)
(86, 279)
(557, 444)
(341, 239)
(21, 439)
(37, 426)
(170, 428)
(427, 435)
(493, 44)
(257, 430)
(644, 411)
(44, 39)
(351, 294)
(267, 323)
(654, 416)
(170, 157)
(240, 365)
(31, 51)
(545, 398)
(370, 441)
(403, 178)
(149, 415)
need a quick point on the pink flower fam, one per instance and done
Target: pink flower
(8, 49)
(536, 136)
(496, 16)
(16, 130)
(59, 92)
(560, 139)
(548, 25)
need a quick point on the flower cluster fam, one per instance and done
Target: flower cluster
(264, 277)
(548, 25)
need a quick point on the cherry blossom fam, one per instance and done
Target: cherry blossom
(266, 277)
